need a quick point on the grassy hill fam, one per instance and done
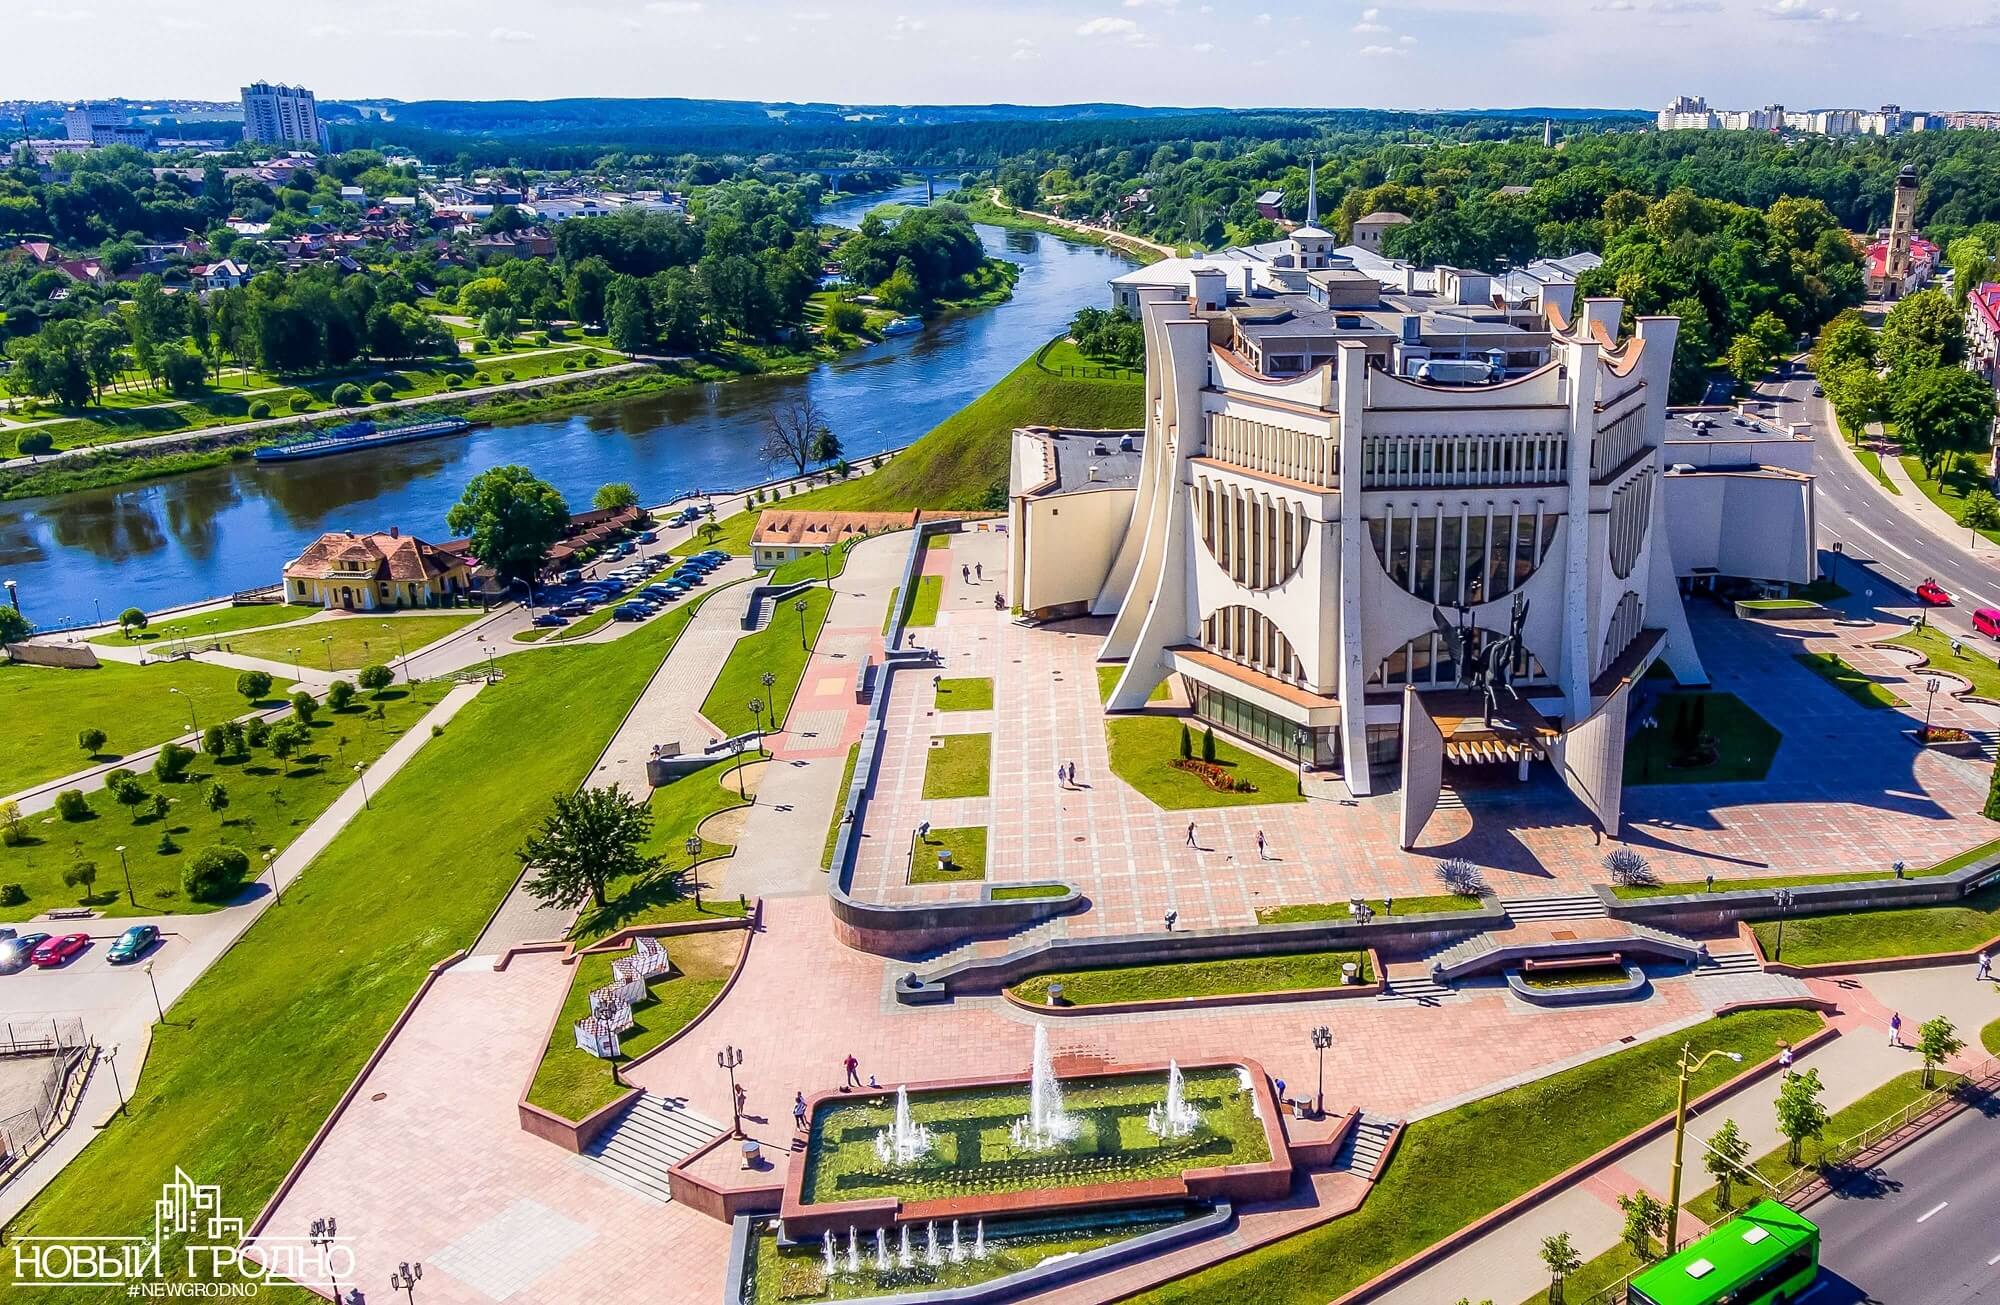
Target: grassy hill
(962, 463)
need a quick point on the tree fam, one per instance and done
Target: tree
(511, 518)
(290, 739)
(794, 432)
(626, 316)
(170, 763)
(12, 830)
(1208, 746)
(1560, 1258)
(1645, 1222)
(1924, 330)
(215, 873)
(253, 685)
(1800, 1112)
(1943, 411)
(14, 627)
(497, 324)
(128, 792)
(616, 494)
(217, 797)
(375, 678)
(91, 740)
(1727, 1151)
(340, 695)
(304, 706)
(72, 805)
(131, 619)
(1846, 339)
(1937, 1042)
(1982, 510)
(587, 839)
(215, 742)
(81, 876)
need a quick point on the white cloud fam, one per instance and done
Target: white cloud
(905, 25)
(1370, 27)
(675, 7)
(1406, 40)
(812, 16)
(510, 35)
(1377, 51)
(1803, 11)
(1108, 27)
(1370, 15)
(1201, 47)
(326, 31)
(1025, 51)
(1262, 20)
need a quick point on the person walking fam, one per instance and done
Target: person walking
(799, 1112)
(1190, 836)
(1171, 917)
(1895, 1028)
(1262, 855)
(978, 571)
(964, 574)
(1785, 1057)
(853, 1067)
(1062, 776)
(1984, 969)
(1072, 774)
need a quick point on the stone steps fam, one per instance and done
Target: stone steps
(1366, 1143)
(1582, 906)
(652, 1136)
(1419, 988)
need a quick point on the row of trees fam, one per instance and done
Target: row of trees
(1909, 374)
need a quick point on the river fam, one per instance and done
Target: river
(213, 532)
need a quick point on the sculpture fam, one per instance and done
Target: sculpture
(1485, 664)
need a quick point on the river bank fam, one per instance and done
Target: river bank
(986, 209)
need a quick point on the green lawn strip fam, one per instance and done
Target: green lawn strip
(223, 620)
(1968, 664)
(1775, 604)
(534, 635)
(357, 641)
(270, 803)
(1870, 935)
(1596, 1276)
(1583, 976)
(1027, 892)
(777, 648)
(1961, 475)
(258, 1050)
(889, 616)
(924, 610)
(678, 808)
(1872, 461)
(937, 541)
(839, 805)
(590, 624)
(1989, 1038)
(1063, 358)
(1234, 977)
(1451, 1169)
(1944, 867)
(959, 766)
(731, 534)
(1310, 912)
(1848, 1121)
(572, 1082)
(973, 693)
(1745, 743)
(1830, 667)
(1143, 748)
(967, 845)
(1107, 680)
(44, 708)
(814, 566)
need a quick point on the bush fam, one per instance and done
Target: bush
(375, 678)
(304, 706)
(848, 318)
(590, 358)
(34, 442)
(1628, 869)
(301, 401)
(257, 733)
(507, 375)
(569, 364)
(346, 394)
(72, 805)
(381, 391)
(1462, 877)
(12, 895)
(482, 346)
(215, 742)
(1208, 746)
(541, 337)
(260, 410)
(454, 382)
(171, 762)
(216, 873)
(1187, 744)
(339, 695)
(253, 685)
(91, 740)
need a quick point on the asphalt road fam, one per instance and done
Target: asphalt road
(1923, 1228)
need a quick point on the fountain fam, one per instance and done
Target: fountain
(1046, 1125)
(853, 1251)
(827, 1241)
(930, 1244)
(903, 1256)
(881, 1250)
(1175, 1117)
(957, 1251)
(904, 1142)
(979, 1241)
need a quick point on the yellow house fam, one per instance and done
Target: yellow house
(366, 572)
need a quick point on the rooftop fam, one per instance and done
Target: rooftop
(1709, 425)
(786, 526)
(1080, 461)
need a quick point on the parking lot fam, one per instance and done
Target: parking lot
(115, 1000)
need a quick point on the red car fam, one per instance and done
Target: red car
(1929, 592)
(57, 950)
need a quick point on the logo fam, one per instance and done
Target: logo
(194, 1251)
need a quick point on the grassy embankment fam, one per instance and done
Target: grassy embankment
(1236, 977)
(1745, 743)
(1961, 475)
(782, 648)
(1971, 922)
(204, 627)
(1944, 867)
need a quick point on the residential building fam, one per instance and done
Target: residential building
(225, 275)
(46, 150)
(1369, 228)
(1271, 204)
(785, 534)
(102, 124)
(1982, 331)
(1686, 113)
(563, 209)
(282, 115)
(367, 572)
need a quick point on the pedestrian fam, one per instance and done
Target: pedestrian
(1985, 969)
(924, 831)
(1171, 917)
(1280, 1083)
(1190, 837)
(1895, 1028)
(1261, 854)
(1785, 1057)
(799, 1112)
(1711, 883)
(978, 571)
(1062, 776)
(964, 574)
(741, 1096)
(1072, 774)
(853, 1072)
(872, 1084)
(1954, 648)
(999, 603)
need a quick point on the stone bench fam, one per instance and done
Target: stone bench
(1557, 964)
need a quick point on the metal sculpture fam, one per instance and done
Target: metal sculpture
(1485, 664)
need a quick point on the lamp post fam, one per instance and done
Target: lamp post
(1931, 686)
(158, 1005)
(126, 866)
(1301, 741)
(361, 778)
(1322, 1039)
(756, 707)
(405, 1277)
(826, 561)
(297, 665)
(729, 1058)
(693, 846)
(111, 1059)
(271, 866)
(767, 679)
(799, 606)
(402, 656)
(322, 1237)
(1689, 1067)
(326, 642)
(1784, 899)
(192, 717)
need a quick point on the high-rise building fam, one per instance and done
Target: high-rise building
(281, 115)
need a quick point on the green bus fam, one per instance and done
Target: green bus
(1768, 1255)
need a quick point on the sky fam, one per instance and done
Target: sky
(1927, 54)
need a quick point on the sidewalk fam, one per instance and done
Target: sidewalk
(1917, 505)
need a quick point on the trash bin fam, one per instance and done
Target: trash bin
(1055, 994)
(752, 1153)
(1350, 972)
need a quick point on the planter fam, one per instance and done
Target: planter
(1951, 742)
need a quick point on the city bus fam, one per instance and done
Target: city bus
(1768, 1255)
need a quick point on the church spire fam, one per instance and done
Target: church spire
(1312, 192)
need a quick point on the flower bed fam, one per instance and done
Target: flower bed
(1216, 777)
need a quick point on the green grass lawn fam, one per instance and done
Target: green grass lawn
(1872, 462)
(1026, 892)
(224, 620)
(1835, 671)
(1107, 680)
(1745, 743)
(1989, 1038)
(1944, 867)
(678, 808)
(1452, 1168)
(777, 648)
(44, 707)
(588, 624)
(973, 693)
(1970, 663)
(1597, 1275)
(813, 566)
(270, 803)
(355, 641)
(924, 607)
(1869, 935)
(967, 845)
(1063, 358)
(534, 635)
(731, 534)
(959, 766)
(839, 804)
(571, 1081)
(1312, 912)
(1143, 748)
(258, 1050)
(1236, 976)
(1962, 474)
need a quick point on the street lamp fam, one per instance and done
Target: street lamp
(405, 1277)
(1688, 1069)
(297, 665)
(1784, 899)
(1322, 1039)
(111, 1060)
(755, 707)
(767, 679)
(196, 720)
(361, 778)
(693, 845)
(826, 561)
(326, 642)
(271, 865)
(127, 868)
(729, 1058)
(158, 1005)
(401, 655)
(1302, 740)
(322, 1237)
(1931, 686)
(799, 606)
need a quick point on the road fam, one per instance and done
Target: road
(1920, 1228)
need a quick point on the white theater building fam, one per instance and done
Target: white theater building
(1278, 534)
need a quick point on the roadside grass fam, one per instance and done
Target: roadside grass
(201, 628)
(1961, 476)
(1234, 977)
(351, 642)
(1107, 680)
(535, 634)
(959, 766)
(1972, 922)
(270, 803)
(731, 534)
(1143, 749)
(1312, 912)
(590, 623)
(572, 1082)
(1835, 671)
(1452, 1168)
(45, 707)
(967, 845)
(924, 608)
(839, 805)
(972, 693)
(1944, 867)
(1745, 743)
(255, 1054)
(1871, 461)
(1025, 892)
(1968, 664)
(678, 810)
(777, 648)
(1597, 1276)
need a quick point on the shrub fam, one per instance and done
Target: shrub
(304, 706)
(1462, 877)
(34, 442)
(301, 401)
(1187, 743)
(1993, 794)
(91, 740)
(454, 382)
(346, 394)
(129, 793)
(12, 830)
(507, 375)
(171, 762)
(217, 798)
(81, 875)
(375, 678)
(257, 733)
(482, 346)
(215, 873)
(132, 618)
(569, 364)
(72, 805)
(541, 337)
(1628, 869)
(253, 685)
(340, 694)
(381, 391)
(12, 895)
(166, 846)
(590, 358)
(215, 742)
(260, 410)
(1208, 746)
(237, 744)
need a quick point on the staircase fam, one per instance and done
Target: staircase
(649, 1138)
(1732, 963)
(1361, 1153)
(1459, 953)
(1582, 906)
(1420, 988)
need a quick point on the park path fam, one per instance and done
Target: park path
(196, 942)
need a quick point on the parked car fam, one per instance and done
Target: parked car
(625, 548)
(574, 607)
(550, 618)
(572, 577)
(132, 944)
(1932, 593)
(1987, 622)
(649, 537)
(55, 951)
(632, 612)
(688, 577)
(16, 954)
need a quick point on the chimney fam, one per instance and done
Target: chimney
(395, 532)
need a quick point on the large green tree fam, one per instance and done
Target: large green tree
(512, 519)
(587, 839)
(1924, 330)
(1943, 411)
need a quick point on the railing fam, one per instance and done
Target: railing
(1421, 461)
